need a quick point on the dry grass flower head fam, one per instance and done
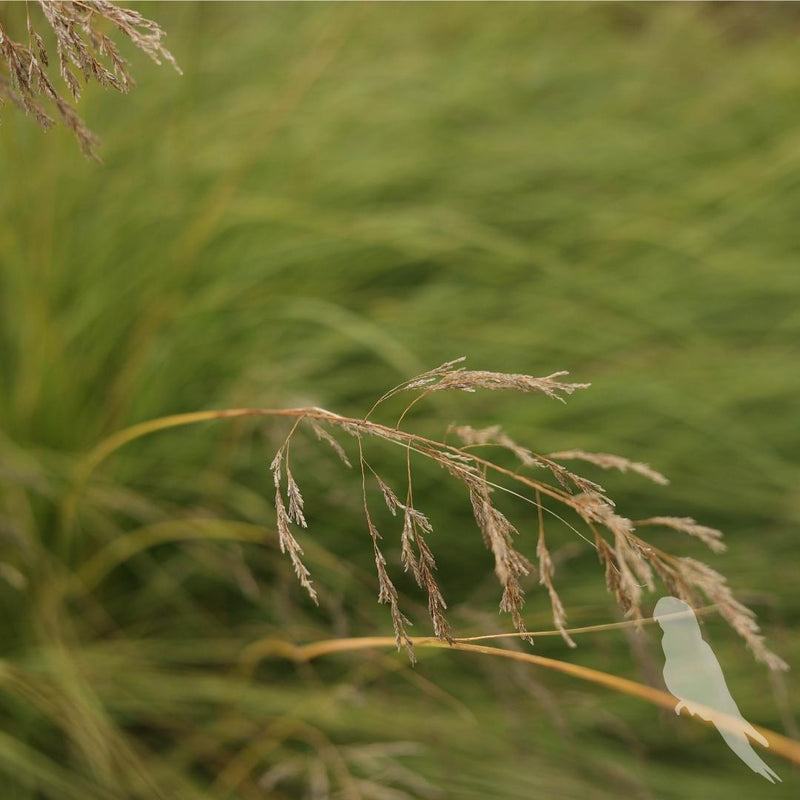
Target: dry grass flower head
(631, 564)
(520, 550)
(84, 52)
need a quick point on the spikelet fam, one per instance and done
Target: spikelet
(509, 564)
(387, 593)
(546, 570)
(710, 537)
(323, 435)
(494, 435)
(609, 461)
(286, 540)
(736, 614)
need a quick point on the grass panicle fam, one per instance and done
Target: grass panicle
(85, 53)
(631, 564)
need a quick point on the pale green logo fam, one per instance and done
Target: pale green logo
(693, 674)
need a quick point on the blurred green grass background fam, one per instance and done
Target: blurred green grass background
(330, 199)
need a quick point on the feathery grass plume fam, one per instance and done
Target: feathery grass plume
(82, 46)
(472, 380)
(422, 563)
(610, 461)
(27, 85)
(387, 593)
(546, 570)
(494, 435)
(286, 540)
(631, 564)
(450, 376)
(509, 564)
(615, 579)
(295, 500)
(323, 435)
(711, 537)
(742, 619)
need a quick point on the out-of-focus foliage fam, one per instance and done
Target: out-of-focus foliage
(329, 200)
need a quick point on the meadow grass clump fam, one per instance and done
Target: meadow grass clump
(570, 176)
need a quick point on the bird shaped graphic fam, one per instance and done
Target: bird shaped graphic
(693, 674)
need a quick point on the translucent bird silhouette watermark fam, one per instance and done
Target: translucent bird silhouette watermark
(693, 674)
